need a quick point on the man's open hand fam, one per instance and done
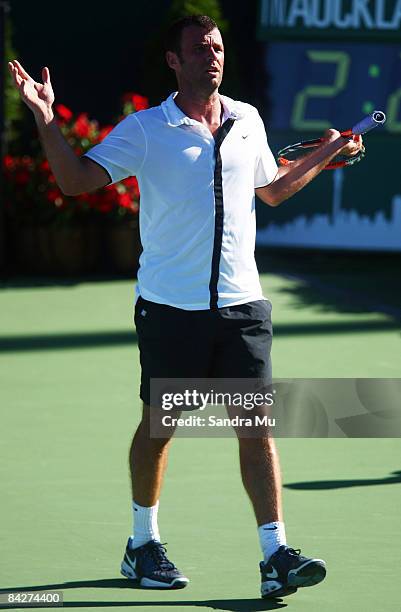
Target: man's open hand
(39, 97)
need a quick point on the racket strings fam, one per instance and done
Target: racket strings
(297, 151)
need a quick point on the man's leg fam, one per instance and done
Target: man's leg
(261, 477)
(160, 329)
(145, 557)
(148, 462)
(283, 569)
(243, 351)
(260, 472)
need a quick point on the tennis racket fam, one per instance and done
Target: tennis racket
(295, 151)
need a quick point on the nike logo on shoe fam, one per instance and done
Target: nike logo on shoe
(272, 574)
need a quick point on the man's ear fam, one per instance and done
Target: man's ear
(172, 60)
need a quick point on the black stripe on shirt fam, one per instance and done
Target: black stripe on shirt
(219, 213)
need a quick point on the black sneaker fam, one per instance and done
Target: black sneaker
(148, 565)
(287, 570)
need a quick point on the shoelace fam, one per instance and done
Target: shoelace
(157, 553)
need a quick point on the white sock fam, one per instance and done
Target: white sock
(271, 537)
(145, 525)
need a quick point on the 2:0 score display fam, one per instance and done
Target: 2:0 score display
(313, 85)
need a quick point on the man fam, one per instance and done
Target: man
(200, 157)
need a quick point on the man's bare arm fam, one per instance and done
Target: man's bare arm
(292, 178)
(74, 175)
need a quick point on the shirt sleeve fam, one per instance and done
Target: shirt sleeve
(265, 166)
(123, 150)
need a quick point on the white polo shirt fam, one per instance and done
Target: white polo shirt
(197, 208)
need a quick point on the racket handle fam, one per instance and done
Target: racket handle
(368, 123)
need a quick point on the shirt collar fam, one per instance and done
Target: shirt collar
(176, 117)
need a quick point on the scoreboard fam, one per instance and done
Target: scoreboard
(329, 63)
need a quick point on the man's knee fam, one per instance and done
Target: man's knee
(149, 433)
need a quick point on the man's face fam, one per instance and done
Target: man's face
(201, 60)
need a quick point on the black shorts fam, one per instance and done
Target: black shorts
(231, 342)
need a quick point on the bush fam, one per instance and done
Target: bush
(32, 196)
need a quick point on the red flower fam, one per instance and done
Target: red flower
(125, 200)
(9, 162)
(63, 112)
(132, 185)
(82, 126)
(52, 195)
(44, 166)
(104, 131)
(138, 101)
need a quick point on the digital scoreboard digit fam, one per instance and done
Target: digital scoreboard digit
(329, 63)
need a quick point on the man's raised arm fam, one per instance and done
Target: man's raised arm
(74, 175)
(292, 178)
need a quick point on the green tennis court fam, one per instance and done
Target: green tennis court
(69, 384)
